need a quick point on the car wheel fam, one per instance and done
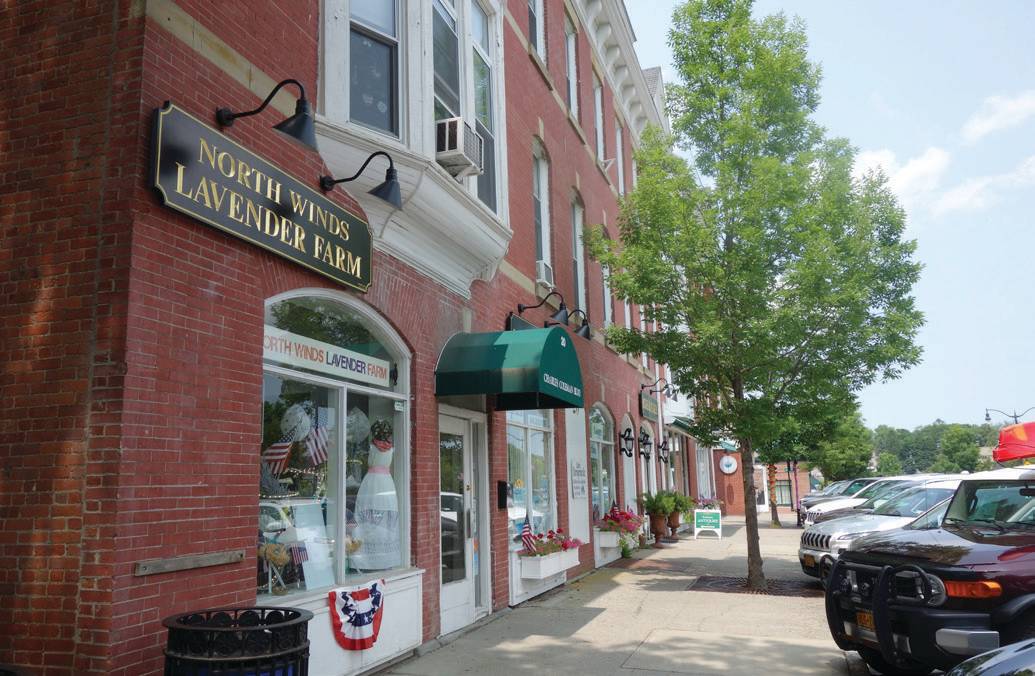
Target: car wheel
(1020, 629)
(875, 660)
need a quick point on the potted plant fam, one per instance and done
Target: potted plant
(658, 506)
(553, 553)
(683, 506)
(615, 525)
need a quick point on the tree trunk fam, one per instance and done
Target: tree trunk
(756, 577)
(771, 480)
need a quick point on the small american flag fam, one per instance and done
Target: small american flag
(276, 455)
(299, 554)
(527, 539)
(316, 442)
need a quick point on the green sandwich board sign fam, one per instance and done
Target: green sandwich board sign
(707, 520)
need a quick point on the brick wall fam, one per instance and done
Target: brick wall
(131, 349)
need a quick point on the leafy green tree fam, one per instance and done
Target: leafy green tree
(779, 281)
(847, 453)
(888, 464)
(891, 440)
(958, 451)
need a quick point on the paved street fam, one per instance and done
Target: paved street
(643, 620)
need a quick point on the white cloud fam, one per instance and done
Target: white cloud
(997, 113)
(982, 191)
(915, 181)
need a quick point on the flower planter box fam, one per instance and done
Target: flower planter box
(607, 539)
(542, 567)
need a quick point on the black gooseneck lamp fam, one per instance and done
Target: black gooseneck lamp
(625, 442)
(1015, 415)
(299, 127)
(583, 330)
(389, 191)
(645, 444)
(667, 389)
(561, 316)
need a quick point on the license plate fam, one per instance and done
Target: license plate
(810, 560)
(864, 619)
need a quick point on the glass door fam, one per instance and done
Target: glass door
(458, 518)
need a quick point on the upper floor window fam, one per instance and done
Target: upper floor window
(598, 116)
(578, 265)
(571, 65)
(374, 65)
(628, 315)
(620, 159)
(643, 329)
(464, 88)
(541, 202)
(536, 28)
(608, 307)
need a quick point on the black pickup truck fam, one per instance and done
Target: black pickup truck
(932, 594)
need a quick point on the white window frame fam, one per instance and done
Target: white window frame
(620, 157)
(551, 464)
(494, 93)
(598, 116)
(605, 274)
(399, 393)
(578, 252)
(571, 62)
(628, 314)
(607, 447)
(541, 189)
(643, 329)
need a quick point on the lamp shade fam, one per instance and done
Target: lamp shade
(561, 316)
(389, 191)
(299, 127)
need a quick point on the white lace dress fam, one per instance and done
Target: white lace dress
(377, 514)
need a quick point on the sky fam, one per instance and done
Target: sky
(941, 94)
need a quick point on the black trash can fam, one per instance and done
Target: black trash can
(259, 641)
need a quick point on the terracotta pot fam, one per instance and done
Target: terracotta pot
(658, 526)
(673, 522)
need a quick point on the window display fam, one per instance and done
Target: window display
(530, 489)
(332, 452)
(601, 458)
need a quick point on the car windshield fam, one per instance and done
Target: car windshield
(833, 488)
(890, 489)
(876, 489)
(914, 501)
(856, 486)
(1003, 505)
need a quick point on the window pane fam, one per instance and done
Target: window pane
(447, 63)
(539, 418)
(482, 91)
(517, 477)
(595, 478)
(373, 528)
(298, 496)
(533, 27)
(596, 424)
(378, 14)
(372, 82)
(454, 540)
(487, 179)
(542, 472)
(479, 26)
(607, 476)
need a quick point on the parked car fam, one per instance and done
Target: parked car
(1016, 659)
(836, 490)
(877, 489)
(924, 598)
(880, 498)
(824, 542)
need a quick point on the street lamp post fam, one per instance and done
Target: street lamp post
(1015, 415)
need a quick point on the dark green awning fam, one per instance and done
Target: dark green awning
(681, 423)
(535, 368)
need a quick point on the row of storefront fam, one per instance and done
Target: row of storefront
(289, 391)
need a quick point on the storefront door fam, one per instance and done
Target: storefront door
(459, 473)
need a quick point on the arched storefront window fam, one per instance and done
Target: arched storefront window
(602, 460)
(334, 466)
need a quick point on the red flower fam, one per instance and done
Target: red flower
(559, 531)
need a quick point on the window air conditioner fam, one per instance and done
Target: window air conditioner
(543, 273)
(458, 148)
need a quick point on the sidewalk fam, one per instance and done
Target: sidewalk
(642, 620)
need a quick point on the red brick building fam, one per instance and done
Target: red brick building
(166, 419)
